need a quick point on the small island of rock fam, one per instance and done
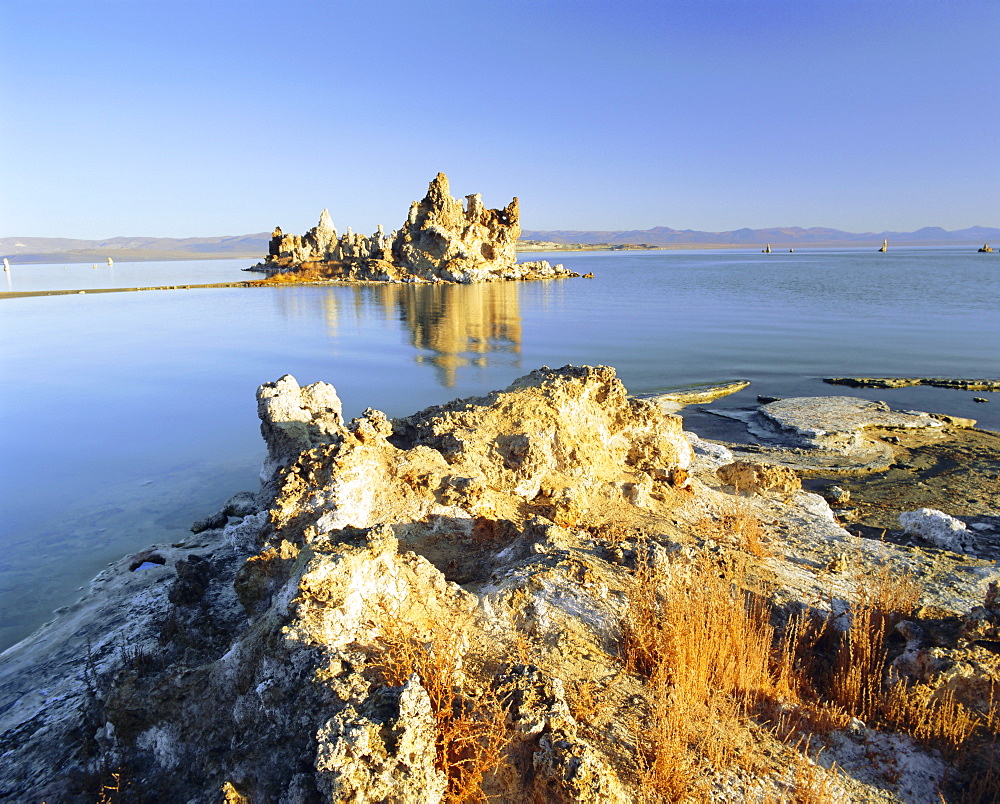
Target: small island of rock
(442, 240)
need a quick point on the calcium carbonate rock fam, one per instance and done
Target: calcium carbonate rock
(836, 422)
(552, 430)
(244, 536)
(833, 434)
(440, 241)
(382, 751)
(708, 455)
(938, 528)
(758, 478)
(294, 419)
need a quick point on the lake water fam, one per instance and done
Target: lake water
(125, 416)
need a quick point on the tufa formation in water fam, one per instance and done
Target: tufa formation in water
(441, 241)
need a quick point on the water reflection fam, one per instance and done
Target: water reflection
(460, 324)
(449, 326)
(322, 306)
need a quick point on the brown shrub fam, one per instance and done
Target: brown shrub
(472, 731)
(711, 661)
(880, 603)
(737, 526)
(704, 646)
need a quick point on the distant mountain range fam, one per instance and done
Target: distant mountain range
(254, 246)
(130, 249)
(790, 236)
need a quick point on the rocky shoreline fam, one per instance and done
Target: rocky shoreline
(421, 608)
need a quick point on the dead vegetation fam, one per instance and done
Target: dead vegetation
(735, 525)
(724, 675)
(472, 734)
(704, 648)
(716, 670)
(881, 602)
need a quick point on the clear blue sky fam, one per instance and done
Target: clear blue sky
(209, 117)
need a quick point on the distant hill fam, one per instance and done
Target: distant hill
(133, 249)
(254, 246)
(790, 236)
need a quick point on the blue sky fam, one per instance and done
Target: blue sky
(177, 118)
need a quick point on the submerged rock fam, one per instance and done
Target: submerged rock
(440, 241)
(838, 422)
(672, 401)
(903, 382)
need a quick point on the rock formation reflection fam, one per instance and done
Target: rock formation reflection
(304, 303)
(450, 326)
(459, 325)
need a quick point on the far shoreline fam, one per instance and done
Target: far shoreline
(524, 247)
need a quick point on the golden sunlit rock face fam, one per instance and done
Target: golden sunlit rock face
(441, 240)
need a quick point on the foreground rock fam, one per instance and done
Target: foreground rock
(440, 241)
(828, 433)
(937, 528)
(468, 576)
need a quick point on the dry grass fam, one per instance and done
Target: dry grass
(472, 735)
(111, 789)
(712, 662)
(881, 602)
(585, 700)
(612, 534)
(813, 784)
(736, 526)
(939, 720)
(715, 669)
(697, 628)
(704, 647)
(857, 683)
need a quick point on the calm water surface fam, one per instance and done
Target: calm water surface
(83, 276)
(125, 416)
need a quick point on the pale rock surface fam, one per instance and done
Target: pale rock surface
(938, 528)
(292, 420)
(708, 456)
(382, 751)
(556, 436)
(836, 421)
(826, 433)
(244, 535)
